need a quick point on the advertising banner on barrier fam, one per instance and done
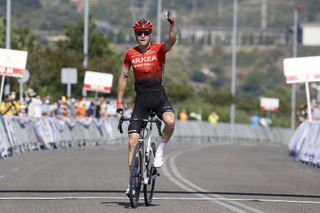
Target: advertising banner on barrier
(12, 62)
(269, 104)
(97, 81)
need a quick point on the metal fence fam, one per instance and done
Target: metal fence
(23, 134)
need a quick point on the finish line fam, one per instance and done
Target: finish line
(164, 198)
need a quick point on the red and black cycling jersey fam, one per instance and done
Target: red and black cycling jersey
(148, 66)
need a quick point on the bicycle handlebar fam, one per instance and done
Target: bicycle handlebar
(157, 121)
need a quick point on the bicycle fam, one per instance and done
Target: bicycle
(142, 170)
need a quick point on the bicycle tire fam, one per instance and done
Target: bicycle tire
(148, 189)
(135, 176)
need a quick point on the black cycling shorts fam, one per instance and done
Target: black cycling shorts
(156, 101)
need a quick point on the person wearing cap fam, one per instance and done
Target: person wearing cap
(147, 61)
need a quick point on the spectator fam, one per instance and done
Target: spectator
(23, 112)
(46, 107)
(255, 120)
(65, 108)
(73, 107)
(316, 111)
(34, 107)
(302, 112)
(213, 118)
(98, 108)
(111, 108)
(265, 122)
(9, 106)
(183, 116)
(81, 108)
(195, 116)
(91, 109)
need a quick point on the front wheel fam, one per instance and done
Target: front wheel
(152, 173)
(135, 176)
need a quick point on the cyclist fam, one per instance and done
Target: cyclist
(147, 61)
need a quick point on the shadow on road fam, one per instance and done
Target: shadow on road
(126, 204)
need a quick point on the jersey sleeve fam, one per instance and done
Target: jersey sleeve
(126, 64)
(165, 47)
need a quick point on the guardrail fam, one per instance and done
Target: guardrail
(23, 134)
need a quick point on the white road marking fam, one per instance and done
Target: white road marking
(189, 186)
(168, 198)
(2, 176)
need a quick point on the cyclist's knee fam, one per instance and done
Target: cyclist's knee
(133, 139)
(170, 122)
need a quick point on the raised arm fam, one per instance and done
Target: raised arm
(172, 31)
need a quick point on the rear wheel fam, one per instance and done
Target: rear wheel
(152, 173)
(135, 176)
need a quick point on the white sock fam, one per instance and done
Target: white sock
(161, 147)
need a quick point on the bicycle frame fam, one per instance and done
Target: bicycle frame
(147, 173)
(146, 147)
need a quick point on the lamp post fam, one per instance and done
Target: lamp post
(8, 25)
(86, 32)
(234, 66)
(234, 60)
(159, 21)
(297, 9)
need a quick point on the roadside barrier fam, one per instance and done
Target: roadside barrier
(304, 144)
(24, 134)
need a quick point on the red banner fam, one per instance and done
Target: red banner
(97, 88)
(9, 71)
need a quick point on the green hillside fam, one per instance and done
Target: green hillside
(53, 14)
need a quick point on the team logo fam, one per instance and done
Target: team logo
(146, 59)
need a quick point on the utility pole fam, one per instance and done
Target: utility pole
(159, 8)
(234, 57)
(220, 8)
(297, 9)
(86, 32)
(264, 10)
(294, 54)
(234, 63)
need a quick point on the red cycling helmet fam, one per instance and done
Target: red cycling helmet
(142, 24)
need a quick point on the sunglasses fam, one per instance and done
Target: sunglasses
(146, 33)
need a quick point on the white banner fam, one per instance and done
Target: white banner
(97, 81)
(310, 34)
(269, 104)
(303, 69)
(12, 62)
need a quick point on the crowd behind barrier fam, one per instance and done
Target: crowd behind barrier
(24, 134)
(305, 143)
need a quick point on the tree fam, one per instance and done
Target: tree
(98, 41)
(21, 38)
(46, 63)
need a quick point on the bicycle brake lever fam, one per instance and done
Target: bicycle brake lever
(120, 125)
(159, 126)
